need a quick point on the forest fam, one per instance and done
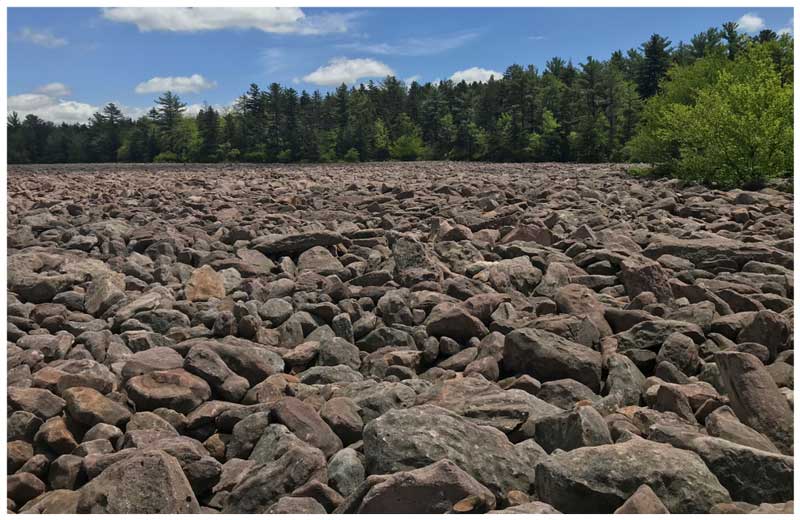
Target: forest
(716, 109)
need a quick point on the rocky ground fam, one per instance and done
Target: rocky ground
(396, 338)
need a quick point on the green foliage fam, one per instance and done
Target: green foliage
(726, 123)
(705, 110)
(407, 148)
(285, 156)
(351, 156)
(166, 157)
(380, 145)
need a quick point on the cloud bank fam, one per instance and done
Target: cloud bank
(349, 71)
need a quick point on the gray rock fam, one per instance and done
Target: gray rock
(546, 356)
(148, 482)
(401, 440)
(599, 479)
(755, 398)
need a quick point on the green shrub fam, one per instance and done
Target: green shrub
(166, 157)
(721, 123)
(407, 148)
(255, 157)
(352, 156)
(285, 156)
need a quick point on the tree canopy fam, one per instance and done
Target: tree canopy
(661, 102)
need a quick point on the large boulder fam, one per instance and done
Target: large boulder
(750, 475)
(433, 489)
(599, 479)
(89, 407)
(144, 483)
(486, 403)
(407, 439)
(294, 465)
(454, 321)
(547, 357)
(306, 424)
(175, 389)
(755, 398)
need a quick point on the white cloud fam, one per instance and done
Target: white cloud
(751, 23)
(50, 108)
(343, 70)
(45, 102)
(415, 46)
(42, 38)
(475, 74)
(54, 90)
(282, 20)
(537, 38)
(179, 84)
(411, 79)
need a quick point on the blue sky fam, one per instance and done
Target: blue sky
(63, 63)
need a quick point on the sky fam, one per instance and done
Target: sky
(66, 63)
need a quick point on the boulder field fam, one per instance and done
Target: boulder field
(396, 338)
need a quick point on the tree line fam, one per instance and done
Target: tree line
(596, 111)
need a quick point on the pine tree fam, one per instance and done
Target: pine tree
(654, 67)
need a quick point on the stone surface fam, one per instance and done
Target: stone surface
(599, 479)
(248, 338)
(434, 489)
(149, 482)
(755, 398)
(401, 440)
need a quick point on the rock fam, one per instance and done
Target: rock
(583, 426)
(487, 404)
(266, 483)
(750, 475)
(296, 505)
(641, 274)
(102, 294)
(755, 398)
(41, 403)
(146, 482)
(306, 424)
(319, 260)
(56, 436)
(22, 487)
(565, 393)
(546, 356)
(682, 352)
(328, 338)
(528, 508)
(434, 489)
(576, 299)
(601, 478)
(453, 321)
(208, 365)
(89, 407)
(175, 389)
(642, 502)
(407, 439)
(768, 328)
(59, 501)
(274, 245)
(723, 423)
(205, 283)
(341, 414)
(346, 471)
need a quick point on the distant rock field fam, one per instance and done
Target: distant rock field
(396, 338)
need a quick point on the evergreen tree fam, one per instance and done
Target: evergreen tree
(654, 66)
(208, 129)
